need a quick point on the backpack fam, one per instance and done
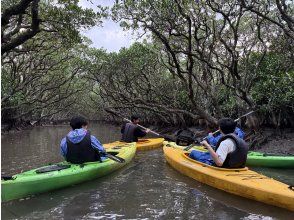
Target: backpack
(185, 137)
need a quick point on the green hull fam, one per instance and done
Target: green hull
(268, 160)
(30, 182)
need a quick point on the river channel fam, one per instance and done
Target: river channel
(147, 188)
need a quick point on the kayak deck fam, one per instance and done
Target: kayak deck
(143, 144)
(242, 182)
(258, 159)
(31, 182)
(150, 143)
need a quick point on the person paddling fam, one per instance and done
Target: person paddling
(231, 150)
(79, 146)
(131, 131)
(212, 140)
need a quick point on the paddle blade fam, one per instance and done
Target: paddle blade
(115, 158)
(188, 147)
(169, 138)
(7, 178)
(196, 141)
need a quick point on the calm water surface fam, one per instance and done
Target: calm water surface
(147, 188)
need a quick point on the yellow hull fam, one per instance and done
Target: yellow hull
(149, 143)
(242, 182)
(174, 145)
(142, 144)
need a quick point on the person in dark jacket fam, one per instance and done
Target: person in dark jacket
(131, 131)
(79, 146)
(231, 151)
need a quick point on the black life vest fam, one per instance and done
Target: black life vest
(238, 157)
(81, 152)
(129, 133)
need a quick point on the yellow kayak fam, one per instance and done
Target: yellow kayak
(254, 159)
(142, 144)
(242, 182)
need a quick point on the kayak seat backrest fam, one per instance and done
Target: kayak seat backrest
(185, 137)
(54, 167)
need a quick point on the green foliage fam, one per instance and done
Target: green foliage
(227, 101)
(203, 59)
(274, 89)
(67, 18)
(44, 76)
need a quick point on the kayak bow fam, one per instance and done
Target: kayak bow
(242, 182)
(64, 174)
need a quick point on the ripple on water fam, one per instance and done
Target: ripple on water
(148, 188)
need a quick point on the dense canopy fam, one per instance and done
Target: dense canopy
(200, 61)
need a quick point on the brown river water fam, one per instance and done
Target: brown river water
(147, 188)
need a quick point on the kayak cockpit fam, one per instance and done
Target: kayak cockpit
(186, 156)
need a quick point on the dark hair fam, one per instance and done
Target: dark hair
(134, 117)
(77, 122)
(227, 125)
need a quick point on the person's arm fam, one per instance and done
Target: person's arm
(63, 147)
(122, 130)
(213, 140)
(140, 133)
(213, 154)
(96, 144)
(239, 132)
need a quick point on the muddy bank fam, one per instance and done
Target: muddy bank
(278, 142)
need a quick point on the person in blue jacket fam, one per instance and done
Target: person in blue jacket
(79, 146)
(205, 157)
(231, 150)
(213, 140)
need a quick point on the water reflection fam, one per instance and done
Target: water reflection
(148, 188)
(28, 149)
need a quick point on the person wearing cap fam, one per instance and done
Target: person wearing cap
(131, 131)
(231, 150)
(79, 146)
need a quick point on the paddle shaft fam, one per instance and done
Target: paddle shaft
(115, 158)
(125, 119)
(249, 113)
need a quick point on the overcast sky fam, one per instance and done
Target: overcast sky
(110, 36)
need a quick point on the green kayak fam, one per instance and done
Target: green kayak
(257, 159)
(63, 174)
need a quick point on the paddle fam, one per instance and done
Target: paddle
(191, 145)
(125, 119)
(7, 178)
(113, 157)
(197, 141)
(153, 132)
